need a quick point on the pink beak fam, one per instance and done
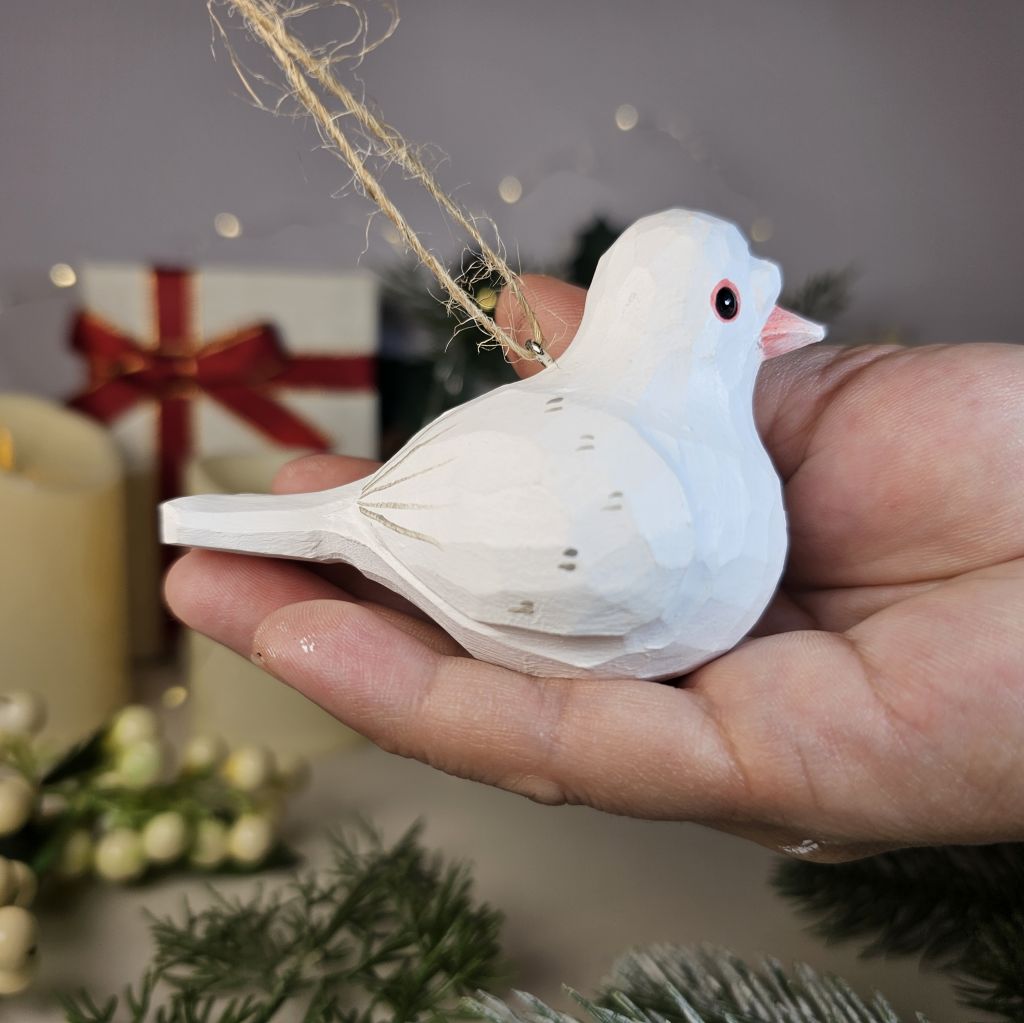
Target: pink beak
(786, 332)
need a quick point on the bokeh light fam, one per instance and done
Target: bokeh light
(510, 189)
(63, 275)
(227, 225)
(626, 117)
(761, 229)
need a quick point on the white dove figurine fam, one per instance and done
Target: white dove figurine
(614, 515)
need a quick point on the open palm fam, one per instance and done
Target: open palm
(881, 702)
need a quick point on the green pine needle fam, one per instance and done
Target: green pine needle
(668, 984)
(384, 934)
(926, 902)
(821, 297)
(990, 973)
(959, 908)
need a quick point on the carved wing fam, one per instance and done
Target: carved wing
(535, 511)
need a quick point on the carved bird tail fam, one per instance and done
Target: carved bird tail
(311, 527)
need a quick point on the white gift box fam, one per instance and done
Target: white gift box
(223, 361)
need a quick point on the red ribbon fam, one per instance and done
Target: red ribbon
(234, 370)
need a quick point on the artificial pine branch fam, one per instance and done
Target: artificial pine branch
(822, 296)
(990, 973)
(926, 902)
(960, 908)
(383, 934)
(668, 984)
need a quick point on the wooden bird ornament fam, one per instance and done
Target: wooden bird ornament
(614, 515)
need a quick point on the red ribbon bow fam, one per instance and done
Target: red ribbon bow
(234, 370)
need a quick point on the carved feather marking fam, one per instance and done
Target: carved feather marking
(406, 505)
(389, 467)
(409, 476)
(569, 566)
(377, 517)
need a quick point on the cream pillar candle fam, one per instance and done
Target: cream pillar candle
(229, 695)
(62, 564)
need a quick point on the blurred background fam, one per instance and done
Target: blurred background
(148, 210)
(885, 137)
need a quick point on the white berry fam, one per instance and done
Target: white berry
(76, 856)
(119, 855)
(131, 724)
(22, 713)
(165, 837)
(13, 982)
(204, 753)
(141, 763)
(249, 768)
(210, 847)
(27, 883)
(251, 838)
(17, 797)
(17, 937)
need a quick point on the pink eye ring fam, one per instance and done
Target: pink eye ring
(725, 300)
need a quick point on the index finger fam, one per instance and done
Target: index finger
(622, 745)
(558, 307)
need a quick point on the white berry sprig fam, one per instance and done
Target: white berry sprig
(120, 808)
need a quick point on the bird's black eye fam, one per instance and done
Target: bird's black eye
(725, 300)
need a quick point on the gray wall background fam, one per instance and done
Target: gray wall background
(883, 135)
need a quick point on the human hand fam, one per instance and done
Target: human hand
(881, 702)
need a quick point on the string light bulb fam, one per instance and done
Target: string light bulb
(761, 229)
(227, 225)
(510, 189)
(487, 299)
(174, 696)
(626, 117)
(62, 275)
(6, 450)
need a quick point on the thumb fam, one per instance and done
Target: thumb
(558, 307)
